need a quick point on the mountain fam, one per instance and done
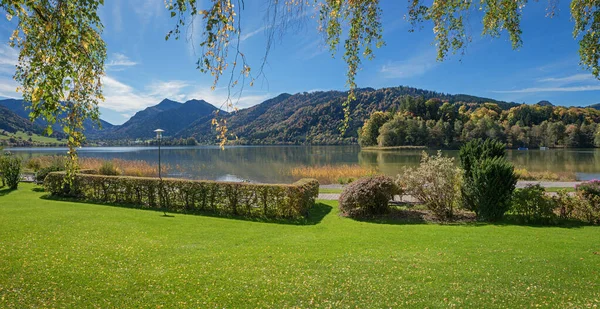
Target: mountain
(595, 106)
(544, 103)
(315, 117)
(168, 115)
(19, 107)
(11, 122)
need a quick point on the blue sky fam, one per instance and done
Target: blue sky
(143, 68)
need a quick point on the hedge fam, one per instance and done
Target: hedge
(182, 195)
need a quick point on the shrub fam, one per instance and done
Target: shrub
(367, 196)
(570, 207)
(590, 192)
(436, 183)
(589, 189)
(108, 169)
(476, 150)
(43, 172)
(34, 164)
(10, 168)
(488, 179)
(490, 188)
(181, 195)
(531, 204)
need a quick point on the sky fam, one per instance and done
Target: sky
(142, 68)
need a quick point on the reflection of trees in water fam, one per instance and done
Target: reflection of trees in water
(557, 160)
(391, 162)
(273, 163)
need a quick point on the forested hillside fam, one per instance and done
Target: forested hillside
(314, 118)
(435, 123)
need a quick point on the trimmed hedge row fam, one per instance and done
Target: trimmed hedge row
(181, 195)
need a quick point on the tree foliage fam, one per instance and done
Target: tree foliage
(61, 62)
(421, 122)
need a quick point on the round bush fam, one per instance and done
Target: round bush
(367, 196)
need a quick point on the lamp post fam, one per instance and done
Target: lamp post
(159, 137)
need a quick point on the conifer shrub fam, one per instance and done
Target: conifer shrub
(488, 178)
(532, 205)
(490, 187)
(435, 182)
(367, 196)
(10, 171)
(182, 195)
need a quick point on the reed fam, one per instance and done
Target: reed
(328, 174)
(524, 174)
(137, 168)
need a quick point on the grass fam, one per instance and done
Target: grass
(524, 174)
(330, 190)
(34, 138)
(328, 174)
(406, 147)
(66, 254)
(137, 168)
(557, 189)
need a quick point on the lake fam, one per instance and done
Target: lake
(271, 164)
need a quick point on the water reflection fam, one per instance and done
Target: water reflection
(273, 163)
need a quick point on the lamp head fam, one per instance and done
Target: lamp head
(159, 133)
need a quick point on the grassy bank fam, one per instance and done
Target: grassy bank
(66, 254)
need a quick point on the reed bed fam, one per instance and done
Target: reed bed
(137, 168)
(328, 174)
(524, 174)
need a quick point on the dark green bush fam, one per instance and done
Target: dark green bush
(10, 171)
(488, 179)
(181, 195)
(44, 171)
(476, 150)
(491, 186)
(532, 205)
(108, 169)
(367, 196)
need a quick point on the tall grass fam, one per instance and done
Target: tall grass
(524, 174)
(137, 168)
(328, 174)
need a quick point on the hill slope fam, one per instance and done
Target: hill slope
(19, 107)
(11, 122)
(168, 115)
(315, 117)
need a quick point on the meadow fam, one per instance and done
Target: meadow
(69, 254)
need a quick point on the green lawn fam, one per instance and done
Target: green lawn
(66, 254)
(330, 190)
(34, 138)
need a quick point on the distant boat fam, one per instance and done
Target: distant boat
(522, 148)
(543, 148)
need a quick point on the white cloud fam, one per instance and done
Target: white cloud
(569, 79)
(8, 88)
(147, 10)
(414, 66)
(123, 98)
(552, 89)
(117, 20)
(118, 61)
(250, 34)
(126, 100)
(169, 89)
